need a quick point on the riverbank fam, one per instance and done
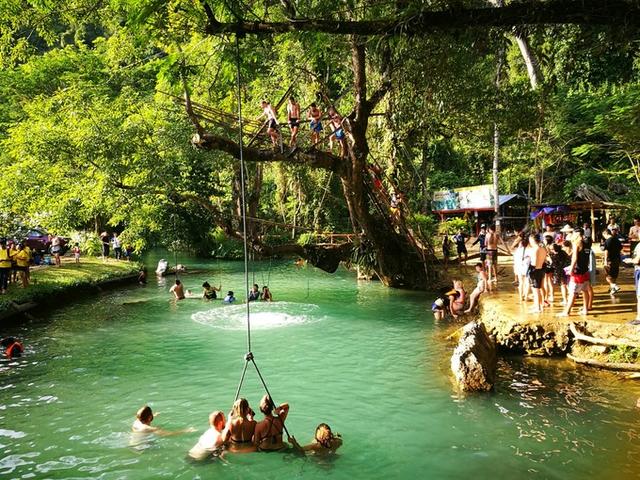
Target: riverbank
(603, 338)
(51, 285)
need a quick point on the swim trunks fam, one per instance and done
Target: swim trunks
(294, 122)
(537, 277)
(492, 256)
(316, 126)
(273, 124)
(339, 133)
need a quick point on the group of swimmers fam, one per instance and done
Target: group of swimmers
(241, 433)
(452, 301)
(314, 116)
(209, 293)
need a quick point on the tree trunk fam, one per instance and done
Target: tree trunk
(400, 259)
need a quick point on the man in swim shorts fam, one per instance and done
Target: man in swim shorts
(538, 255)
(315, 116)
(293, 117)
(178, 290)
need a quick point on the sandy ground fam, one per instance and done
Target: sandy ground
(618, 309)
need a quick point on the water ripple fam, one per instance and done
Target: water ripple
(263, 316)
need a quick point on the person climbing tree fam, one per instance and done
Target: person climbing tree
(272, 123)
(293, 117)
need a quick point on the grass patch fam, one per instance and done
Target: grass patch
(624, 354)
(47, 281)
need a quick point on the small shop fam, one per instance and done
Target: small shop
(594, 213)
(477, 204)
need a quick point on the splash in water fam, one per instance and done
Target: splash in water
(263, 316)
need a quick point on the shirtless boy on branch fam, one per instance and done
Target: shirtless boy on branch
(272, 123)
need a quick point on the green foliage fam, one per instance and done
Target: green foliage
(452, 226)
(49, 282)
(89, 142)
(624, 354)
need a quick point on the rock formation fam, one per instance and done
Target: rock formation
(474, 360)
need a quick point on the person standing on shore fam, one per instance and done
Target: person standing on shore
(538, 255)
(56, 249)
(636, 278)
(104, 238)
(117, 246)
(5, 266)
(492, 256)
(460, 239)
(521, 262)
(579, 271)
(482, 240)
(634, 236)
(76, 253)
(612, 258)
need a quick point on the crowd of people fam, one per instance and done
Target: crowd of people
(553, 266)
(209, 292)
(315, 117)
(240, 432)
(109, 241)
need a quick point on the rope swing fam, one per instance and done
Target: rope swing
(249, 355)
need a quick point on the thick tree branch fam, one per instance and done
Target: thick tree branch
(313, 158)
(591, 12)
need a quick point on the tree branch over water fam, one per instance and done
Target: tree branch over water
(589, 12)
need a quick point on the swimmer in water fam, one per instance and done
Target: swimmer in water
(266, 294)
(229, 298)
(255, 293)
(211, 442)
(325, 442)
(241, 427)
(178, 290)
(142, 424)
(268, 433)
(209, 292)
(12, 347)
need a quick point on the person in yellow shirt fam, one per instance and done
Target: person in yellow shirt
(12, 252)
(22, 265)
(5, 266)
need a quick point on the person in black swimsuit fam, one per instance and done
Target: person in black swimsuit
(241, 427)
(209, 292)
(293, 117)
(268, 433)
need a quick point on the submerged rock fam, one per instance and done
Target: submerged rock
(474, 360)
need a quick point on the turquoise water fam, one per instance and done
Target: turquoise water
(369, 361)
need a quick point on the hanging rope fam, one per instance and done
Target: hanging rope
(242, 195)
(249, 355)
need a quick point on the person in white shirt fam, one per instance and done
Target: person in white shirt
(211, 442)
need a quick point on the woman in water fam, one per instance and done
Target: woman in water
(266, 294)
(324, 442)
(457, 299)
(209, 292)
(268, 434)
(241, 427)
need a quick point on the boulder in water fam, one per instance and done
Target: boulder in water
(474, 360)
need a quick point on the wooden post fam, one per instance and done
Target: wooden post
(593, 225)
